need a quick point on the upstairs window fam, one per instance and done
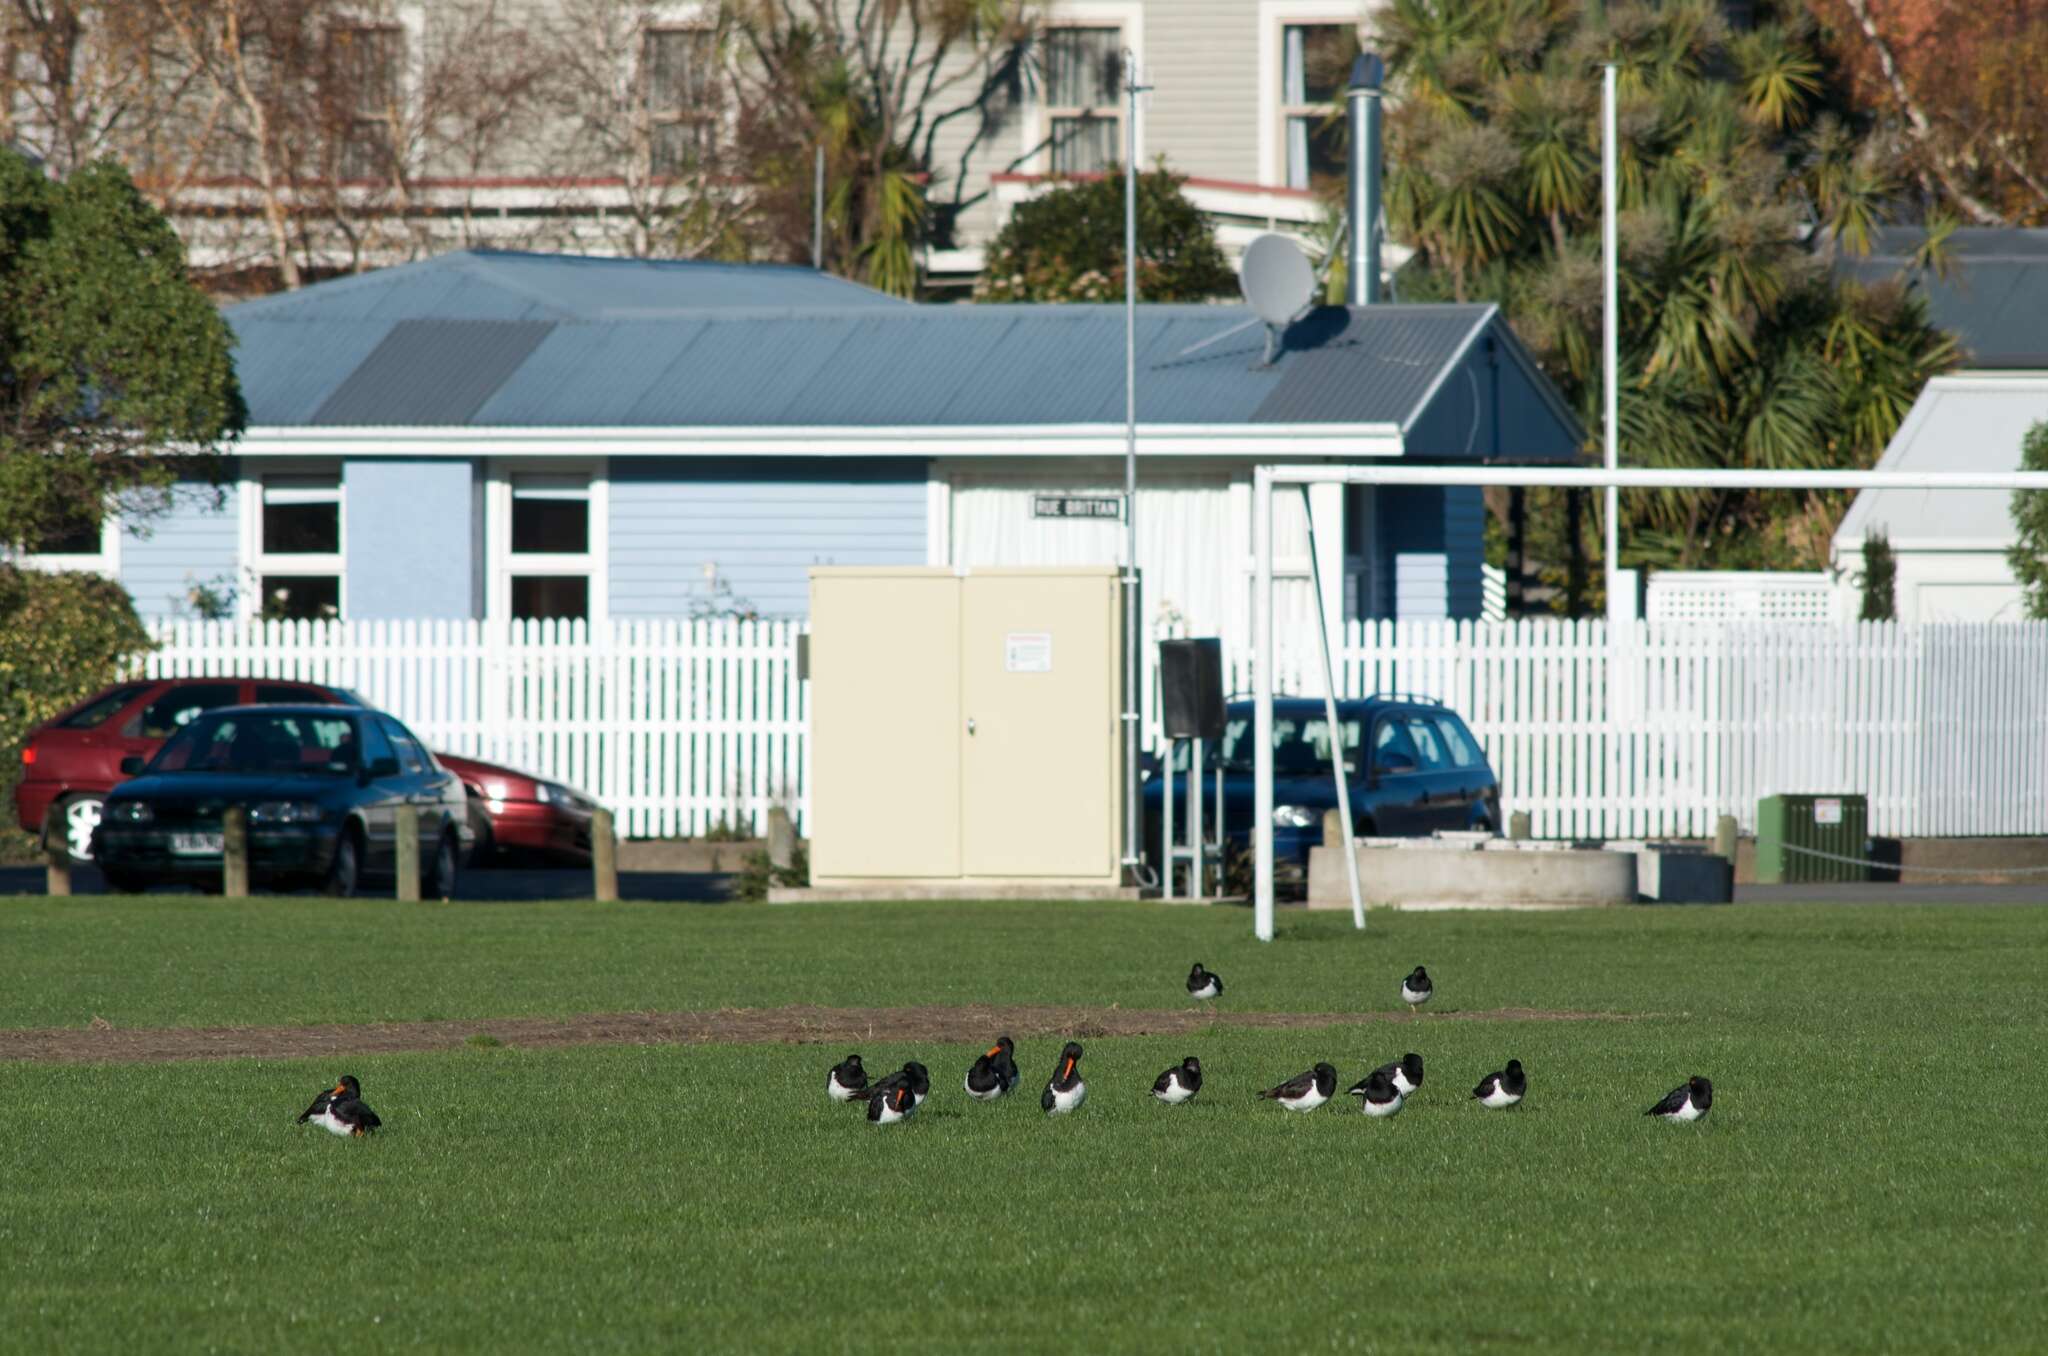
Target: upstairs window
(1315, 70)
(366, 66)
(679, 69)
(1083, 92)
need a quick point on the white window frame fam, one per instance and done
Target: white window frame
(1036, 124)
(643, 89)
(256, 562)
(405, 22)
(106, 561)
(594, 564)
(1275, 18)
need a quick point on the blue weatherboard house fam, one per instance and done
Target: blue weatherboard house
(487, 435)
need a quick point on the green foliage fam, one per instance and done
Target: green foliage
(115, 372)
(1739, 346)
(759, 875)
(2029, 554)
(62, 638)
(1879, 579)
(1068, 245)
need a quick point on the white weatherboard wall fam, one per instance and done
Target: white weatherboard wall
(1649, 730)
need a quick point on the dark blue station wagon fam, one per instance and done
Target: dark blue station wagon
(1427, 772)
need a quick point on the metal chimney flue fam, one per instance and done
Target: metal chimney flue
(1362, 249)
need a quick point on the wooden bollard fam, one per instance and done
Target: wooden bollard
(604, 858)
(1518, 826)
(1724, 838)
(234, 852)
(408, 855)
(781, 839)
(56, 857)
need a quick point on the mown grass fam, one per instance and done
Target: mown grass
(190, 961)
(1870, 1178)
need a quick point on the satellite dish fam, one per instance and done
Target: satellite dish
(1277, 279)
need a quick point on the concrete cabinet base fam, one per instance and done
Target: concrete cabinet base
(1422, 874)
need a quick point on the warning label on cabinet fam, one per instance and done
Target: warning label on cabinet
(1027, 652)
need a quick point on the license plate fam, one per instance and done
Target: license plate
(195, 844)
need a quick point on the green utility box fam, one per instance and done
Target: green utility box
(1837, 825)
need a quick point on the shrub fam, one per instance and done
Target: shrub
(2029, 554)
(1879, 578)
(62, 638)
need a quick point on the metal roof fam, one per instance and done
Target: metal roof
(509, 341)
(1995, 298)
(1968, 421)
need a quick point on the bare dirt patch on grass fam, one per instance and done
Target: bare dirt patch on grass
(797, 1025)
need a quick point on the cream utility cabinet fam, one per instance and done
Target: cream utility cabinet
(964, 726)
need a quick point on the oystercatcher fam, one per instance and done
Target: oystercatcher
(1404, 1073)
(1305, 1092)
(994, 1071)
(1065, 1090)
(1376, 1093)
(1180, 1083)
(1203, 984)
(848, 1081)
(897, 1104)
(912, 1075)
(1687, 1102)
(340, 1110)
(1416, 989)
(1504, 1088)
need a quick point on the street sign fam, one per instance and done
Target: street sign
(1109, 506)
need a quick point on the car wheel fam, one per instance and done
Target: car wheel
(484, 853)
(447, 862)
(78, 818)
(347, 866)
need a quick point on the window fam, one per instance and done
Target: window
(1427, 743)
(412, 759)
(1301, 748)
(1083, 88)
(679, 68)
(289, 692)
(365, 66)
(102, 708)
(1392, 749)
(1463, 748)
(177, 707)
(76, 542)
(298, 541)
(551, 555)
(1315, 69)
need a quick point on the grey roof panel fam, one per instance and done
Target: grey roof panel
(1994, 299)
(288, 370)
(432, 372)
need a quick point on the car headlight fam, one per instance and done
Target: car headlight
(130, 812)
(286, 812)
(1294, 817)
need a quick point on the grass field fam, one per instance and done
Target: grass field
(1870, 1178)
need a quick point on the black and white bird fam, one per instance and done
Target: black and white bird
(1504, 1088)
(1203, 984)
(912, 1075)
(341, 1110)
(1180, 1083)
(1687, 1102)
(1065, 1090)
(1416, 989)
(994, 1071)
(1404, 1073)
(1376, 1093)
(1305, 1091)
(897, 1104)
(848, 1081)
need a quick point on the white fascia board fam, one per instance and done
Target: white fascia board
(1348, 441)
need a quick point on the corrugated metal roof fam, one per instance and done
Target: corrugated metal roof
(1964, 422)
(526, 341)
(1994, 299)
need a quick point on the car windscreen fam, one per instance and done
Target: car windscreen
(262, 741)
(1301, 746)
(102, 708)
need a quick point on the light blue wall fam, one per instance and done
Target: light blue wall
(198, 542)
(409, 542)
(1431, 544)
(762, 522)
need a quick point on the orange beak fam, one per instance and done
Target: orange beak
(340, 1088)
(1068, 1071)
(995, 1050)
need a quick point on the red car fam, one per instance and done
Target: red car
(72, 761)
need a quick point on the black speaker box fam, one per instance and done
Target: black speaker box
(1191, 688)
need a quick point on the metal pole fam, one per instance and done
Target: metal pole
(1362, 190)
(1133, 631)
(1349, 844)
(1652, 478)
(1610, 336)
(1166, 824)
(1196, 860)
(1262, 703)
(818, 211)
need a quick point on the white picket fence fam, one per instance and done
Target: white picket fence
(1653, 729)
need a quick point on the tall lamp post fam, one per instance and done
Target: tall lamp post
(1133, 861)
